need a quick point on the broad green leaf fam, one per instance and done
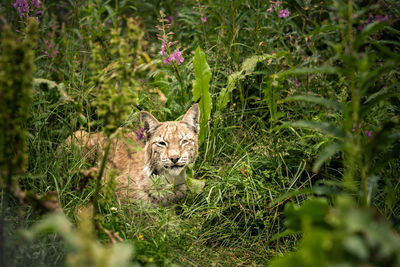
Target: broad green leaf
(316, 100)
(195, 186)
(355, 245)
(324, 127)
(201, 87)
(328, 152)
(248, 66)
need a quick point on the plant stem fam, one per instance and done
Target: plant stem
(99, 176)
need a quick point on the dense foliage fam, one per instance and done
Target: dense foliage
(298, 161)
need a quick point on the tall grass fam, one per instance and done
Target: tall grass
(285, 94)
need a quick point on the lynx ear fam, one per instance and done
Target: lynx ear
(150, 123)
(192, 118)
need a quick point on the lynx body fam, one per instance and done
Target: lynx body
(169, 148)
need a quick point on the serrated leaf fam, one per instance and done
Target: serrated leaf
(324, 127)
(223, 96)
(305, 70)
(316, 100)
(325, 154)
(367, 31)
(248, 66)
(201, 86)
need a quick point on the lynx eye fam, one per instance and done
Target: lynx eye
(184, 142)
(161, 144)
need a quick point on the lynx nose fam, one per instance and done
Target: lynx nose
(174, 159)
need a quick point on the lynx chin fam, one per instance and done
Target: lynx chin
(170, 146)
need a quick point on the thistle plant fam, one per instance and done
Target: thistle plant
(117, 90)
(16, 58)
(362, 65)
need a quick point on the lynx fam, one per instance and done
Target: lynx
(169, 147)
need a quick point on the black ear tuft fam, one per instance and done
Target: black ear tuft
(192, 118)
(150, 123)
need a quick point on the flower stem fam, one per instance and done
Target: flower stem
(99, 176)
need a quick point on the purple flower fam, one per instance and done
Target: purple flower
(39, 13)
(271, 8)
(162, 52)
(368, 133)
(284, 13)
(109, 21)
(140, 134)
(296, 82)
(167, 61)
(51, 50)
(382, 18)
(371, 18)
(204, 19)
(277, 3)
(176, 56)
(169, 19)
(22, 7)
(119, 18)
(36, 3)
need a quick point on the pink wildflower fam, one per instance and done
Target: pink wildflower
(176, 56)
(204, 19)
(271, 8)
(162, 52)
(36, 3)
(296, 82)
(284, 13)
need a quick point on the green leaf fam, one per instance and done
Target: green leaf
(381, 95)
(328, 152)
(195, 186)
(248, 66)
(367, 31)
(223, 96)
(316, 100)
(201, 87)
(324, 127)
(285, 233)
(312, 211)
(305, 70)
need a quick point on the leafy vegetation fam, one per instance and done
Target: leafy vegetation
(298, 163)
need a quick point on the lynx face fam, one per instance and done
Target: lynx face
(171, 145)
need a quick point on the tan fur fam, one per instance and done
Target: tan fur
(170, 147)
